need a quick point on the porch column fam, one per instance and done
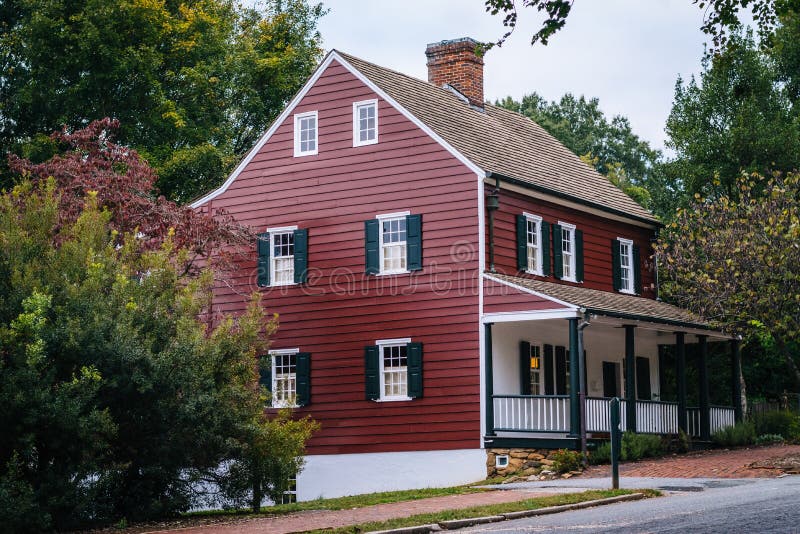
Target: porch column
(574, 380)
(736, 373)
(630, 378)
(705, 404)
(489, 406)
(680, 373)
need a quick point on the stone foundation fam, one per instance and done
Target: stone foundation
(522, 462)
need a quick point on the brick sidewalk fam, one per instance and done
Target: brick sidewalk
(303, 521)
(705, 464)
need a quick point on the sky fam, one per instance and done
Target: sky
(627, 53)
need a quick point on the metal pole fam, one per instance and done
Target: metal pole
(616, 441)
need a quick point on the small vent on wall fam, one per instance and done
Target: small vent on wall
(501, 461)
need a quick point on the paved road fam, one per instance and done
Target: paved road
(691, 505)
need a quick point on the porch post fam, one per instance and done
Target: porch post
(705, 403)
(574, 380)
(487, 338)
(736, 384)
(680, 353)
(630, 378)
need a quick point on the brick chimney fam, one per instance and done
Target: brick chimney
(455, 63)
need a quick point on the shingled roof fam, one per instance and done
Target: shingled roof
(501, 141)
(611, 304)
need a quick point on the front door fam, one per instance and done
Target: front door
(610, 379)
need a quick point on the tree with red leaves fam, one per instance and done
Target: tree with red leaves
(124, 184)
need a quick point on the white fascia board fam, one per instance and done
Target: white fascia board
(333, 55)
(536, 315)
(530, 291)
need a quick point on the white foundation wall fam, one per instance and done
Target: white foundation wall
(337, 475)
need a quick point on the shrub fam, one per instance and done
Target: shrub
(783, 422)
(638, 446)
(735, 436)
(769, 439)
(564, 461)
(602, 454)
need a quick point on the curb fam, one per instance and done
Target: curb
(461, 523)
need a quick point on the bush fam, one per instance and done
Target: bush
(638, 446)
(565, 461)
(783, 423)
(769, 439)
(735, 436)
(602, 454)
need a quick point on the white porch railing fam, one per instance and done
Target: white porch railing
(525, 413)
(693, 421)
(656, 417)
(722, 416)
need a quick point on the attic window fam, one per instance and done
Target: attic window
(365, 123)
(305, 134)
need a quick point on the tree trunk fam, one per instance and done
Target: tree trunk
(258, 495)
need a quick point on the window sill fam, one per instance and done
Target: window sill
(282, 406)
(573, 280)
(393, 399)
(303, 154)
(627, 292)
(534, 273)
(365, 143)
(392, 273)
(282, 285)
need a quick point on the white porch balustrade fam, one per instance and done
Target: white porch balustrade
(528, 413)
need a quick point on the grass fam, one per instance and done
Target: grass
(479, 511)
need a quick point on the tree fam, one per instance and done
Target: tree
(738, 117)
(610, 146)
(192, 83)
(120, 396)
(720, 16)
(736, 261)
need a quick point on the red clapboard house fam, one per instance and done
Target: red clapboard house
(435, 262)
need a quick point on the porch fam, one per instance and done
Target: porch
(550, 371)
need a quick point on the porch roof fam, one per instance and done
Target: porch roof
(611, 304)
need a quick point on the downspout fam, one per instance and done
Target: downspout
(581, 384)
(492, 204)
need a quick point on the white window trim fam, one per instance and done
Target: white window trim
(573, 275)
(272, 354)
(272, 232)
(629, 242)
(297, 152)
(381, 343)
(383, 217)
(539, 260)
(356, 122)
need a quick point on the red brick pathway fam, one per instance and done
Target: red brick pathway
(705, 464)
(340, 518)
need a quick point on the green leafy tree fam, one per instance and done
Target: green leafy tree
(735, 261)
(736, 118)
(193, 83)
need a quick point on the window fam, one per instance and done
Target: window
(290, 495)
(393, 246)
(533, 233)
(394, 369)
(568, 251)
(626, 284)
(284, 377)
(305, 134)
(282, 258)
(365, 123)
(536, 369)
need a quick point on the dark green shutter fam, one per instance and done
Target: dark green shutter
(265, 372)
(545, 239)
(579, 255)
(300, 256)
(616, 268)
(263, 259)
(561, 370)
(371, 368)
(372, 242)
(558, 252)
(414, 242)
(525, 367)
(548, 370)
(414, 363)
(303, 378)
(637, 270)
(522, 242)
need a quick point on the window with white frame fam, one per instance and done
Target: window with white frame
(393, 360)
(536, 370)
(305, 134)
(568, 251)
(534, 236)
(625, 265)
(284, 377)
(393, 243)
(282, 257)
(365, 122)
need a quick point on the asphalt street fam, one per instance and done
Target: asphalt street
(689, 505)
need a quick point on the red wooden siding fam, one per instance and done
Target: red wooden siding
(499, 297)
(341, 309)
(597, 235)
